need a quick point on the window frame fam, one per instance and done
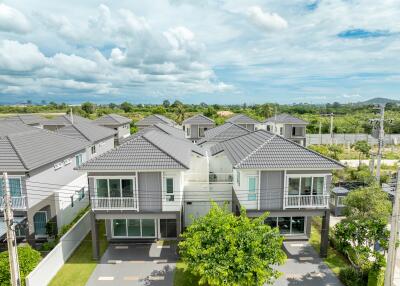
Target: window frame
(169, 197)
(120, 178)
(301, 176)
(255, 177)
(13, 177)
(141, 228)
(78, 159)
(291, 225)
(93, 147)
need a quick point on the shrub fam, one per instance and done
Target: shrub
(376, 277)
(351, 277)
(47, 246)
(28, 259)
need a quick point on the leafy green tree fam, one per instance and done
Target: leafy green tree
(176, 103)
(223, 249)
(159, 109)
(210, 112)
(126, 107)
(112, 105)
(28, 259)
(166, 103)
(88, 107)
(180, 113)
(265, 110)
(335, 151)
(363, 148)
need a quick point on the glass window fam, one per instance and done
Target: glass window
(294, 184)
(238, 177)
(169, 182)
(15, 187)
(119, 227)
(340, 201)
(78, 160)
(284, 225)
(332, 199)
(134, 227)
(127, 188)
(188, 131)
(93, 149)
(268, 127)
(148, 227)
(115, 187)
(168, 228)
(252, 188)
(306, 186)
(271, 221)
(102, 188)
(318, 186)
(81, 194)
(298, 225)
(281, 131)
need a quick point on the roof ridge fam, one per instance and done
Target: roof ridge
(17, 152)
(76, 128)
(255, 150)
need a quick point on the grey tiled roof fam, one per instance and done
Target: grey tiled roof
(242, 119)
(11, 127)
(25, 118)
(66, 120)
(199, 119)
(112, 120)
(29, 150)
(285, 118)
(154, 119)
(223, 132)
(87, 131)
(152, 150)
(263, 150)
(167, 129)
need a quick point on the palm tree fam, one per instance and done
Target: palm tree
(180, 113)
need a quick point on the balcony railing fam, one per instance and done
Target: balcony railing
(223, 178)
(114, 203)
(306, 201)
(17, 203)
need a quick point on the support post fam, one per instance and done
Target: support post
(95, 236)
(323, 252)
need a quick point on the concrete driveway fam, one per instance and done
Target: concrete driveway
(304, 267)
(135, 264)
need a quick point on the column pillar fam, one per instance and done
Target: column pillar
(95, 236)
(325, 235)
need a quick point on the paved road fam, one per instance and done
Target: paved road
(304, 267)
(148, 264)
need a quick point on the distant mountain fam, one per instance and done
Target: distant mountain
(378, 100)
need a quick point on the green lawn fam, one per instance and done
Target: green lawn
(335, 260)
(80, 265)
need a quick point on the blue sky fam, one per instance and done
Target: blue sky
(217, 51)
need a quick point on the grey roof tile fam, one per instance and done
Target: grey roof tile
(223, 132)
(66, 120)
(148, 151)
(167, 129)
(11, 127)
(28, 119)
(285, 118)
(112, 120)
(199, 119)
(263, 150)
(87, 131)
(154, 119)
(242, 119)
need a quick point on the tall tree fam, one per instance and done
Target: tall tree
(180, 113)
(88, 107)
(166, 103)
(126, 107)
(223, 249)
(363, 148)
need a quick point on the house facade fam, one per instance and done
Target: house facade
(116, 122)
(245, 121)
(196, 126)
(154, 119)
(288, 126)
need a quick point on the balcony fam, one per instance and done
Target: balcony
(222, 178)
(114, 203)
(17, 203)
(306, 201)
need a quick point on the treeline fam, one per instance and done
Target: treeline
(348, 118)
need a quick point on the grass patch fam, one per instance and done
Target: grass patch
(334, 260)
(77, 270)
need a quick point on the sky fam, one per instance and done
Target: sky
(286, 51)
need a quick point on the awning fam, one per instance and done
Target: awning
(3, 227)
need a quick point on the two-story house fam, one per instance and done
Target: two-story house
(196, 126)
(137, 188)
(101, 139)
(271, 173)
(28, 119)
(221, 133)
(154, 119)
(245, 121)
(118, 123)
(288, 126)
(43, 183)
(60, 121)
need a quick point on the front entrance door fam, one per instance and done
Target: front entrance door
(168, 228)
(39, 222)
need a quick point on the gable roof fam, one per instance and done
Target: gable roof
(66, 120)
(11, 127)
(263, 150)
(198, 119)
(223, 132)
(112, 119)
(25, 118)
(152, 150)
(167, 129)
(285, 118)
(87, 131)
(28, 150)
(242, 119)
(154, 119)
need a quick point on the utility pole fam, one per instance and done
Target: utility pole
(11, 239)
(72, 116)
(275, 131)
(320, 132)
(381, 136)
(394, 228)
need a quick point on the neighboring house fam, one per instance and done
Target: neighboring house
(336, 200)
(63, 120)
(271, 173)
(196, 126)
(245, 121)
(138, 188)
(44, 185)
(167, 129)
(288, 126)
(154, 119)
(221, 133)
(28, 119)
(117, 122)
(100, 139)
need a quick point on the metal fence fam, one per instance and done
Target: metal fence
(313, 139)
(52, 263)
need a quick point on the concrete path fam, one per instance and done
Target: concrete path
(304, 267)
(150, 264)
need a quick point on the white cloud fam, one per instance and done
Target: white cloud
(12, 20)
(265, 20)
(18, 57)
